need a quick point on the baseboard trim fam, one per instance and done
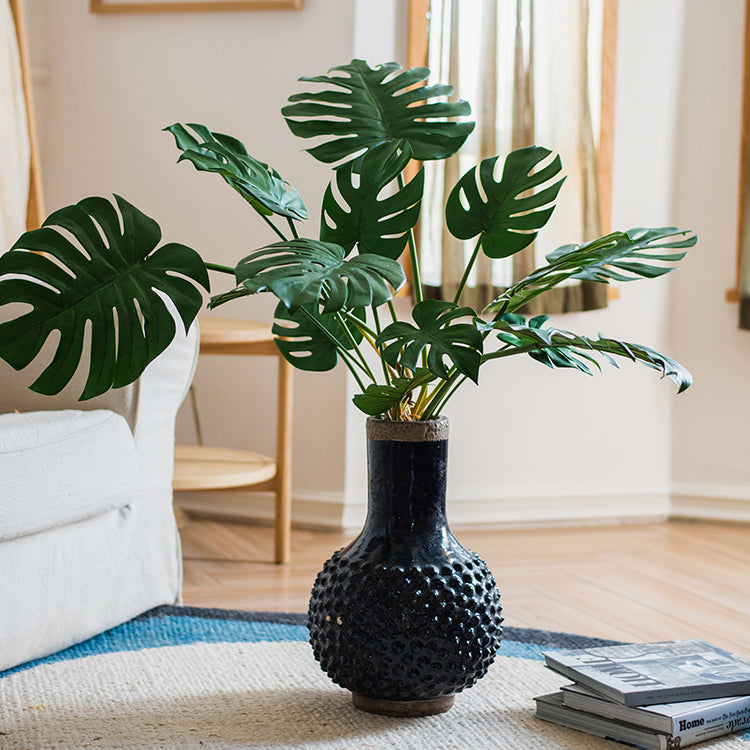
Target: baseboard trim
(315, 511)
(711, 502)
(558, 510)
(329, 512)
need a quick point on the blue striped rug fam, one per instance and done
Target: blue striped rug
(180, 677)
(179, 626)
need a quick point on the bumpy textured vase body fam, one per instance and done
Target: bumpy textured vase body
(405, 613)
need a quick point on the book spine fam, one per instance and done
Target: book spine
(711, 722)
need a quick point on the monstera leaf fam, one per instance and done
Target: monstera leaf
(112, 281)
(557, 348)
(622, 256)
(310, 340)
(506, 218)
(375, 224)
(364, 107)
(379, 399)
(436, 333)
(255, 181)
(306, 272)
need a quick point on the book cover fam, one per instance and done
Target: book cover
(669, 718)
(552, 708)
(641, 674)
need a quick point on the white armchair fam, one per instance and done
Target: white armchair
(88, 537)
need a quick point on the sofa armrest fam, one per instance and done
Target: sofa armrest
(160, 391)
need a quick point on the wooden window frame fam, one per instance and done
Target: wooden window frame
(733, 294)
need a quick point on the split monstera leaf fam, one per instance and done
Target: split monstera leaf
(98, 265)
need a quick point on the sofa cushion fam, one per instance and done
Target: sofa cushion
(59, 467)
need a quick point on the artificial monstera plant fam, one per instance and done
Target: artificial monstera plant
(99, 264)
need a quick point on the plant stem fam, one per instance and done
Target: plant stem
(469, 266)
(415, 274)
(386, 373)
(416, 279)
(362, 361)
(219, 268)
(274, 227)
(445, 390)
(437, 406)
(522, 291)
(354, 373)
(367, 334)
(293, 227)
(360, 324)
(438, 397)
(422, 401)
(509, 352)
(392, 310)
(348, 361)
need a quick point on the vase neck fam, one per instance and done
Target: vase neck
(407, 481)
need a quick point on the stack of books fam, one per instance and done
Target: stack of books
(657, 696)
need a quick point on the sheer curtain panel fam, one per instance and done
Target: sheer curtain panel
(532, 70)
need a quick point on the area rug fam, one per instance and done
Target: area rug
(180, 677)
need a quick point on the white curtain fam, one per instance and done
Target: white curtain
(14, 135)
(531, 70)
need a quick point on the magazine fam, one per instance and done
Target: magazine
(668, 718)
(642, 674)
(551, 708)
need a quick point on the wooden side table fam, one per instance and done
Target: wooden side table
(208, 468)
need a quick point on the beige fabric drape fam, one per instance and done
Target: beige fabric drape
(524, 66)
(14, 135)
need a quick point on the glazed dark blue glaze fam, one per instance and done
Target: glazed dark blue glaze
(405, 612)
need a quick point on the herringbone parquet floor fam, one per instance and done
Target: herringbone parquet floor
(629, 582)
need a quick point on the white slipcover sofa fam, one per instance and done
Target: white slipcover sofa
(88, 537)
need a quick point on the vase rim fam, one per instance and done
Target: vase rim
(412, 432)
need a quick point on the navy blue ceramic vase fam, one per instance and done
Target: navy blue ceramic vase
(405, 617)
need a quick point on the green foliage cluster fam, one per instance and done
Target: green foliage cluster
(93, 264)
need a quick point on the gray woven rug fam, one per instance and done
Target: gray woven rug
(186, 678)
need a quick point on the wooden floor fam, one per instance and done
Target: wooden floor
(628, 582)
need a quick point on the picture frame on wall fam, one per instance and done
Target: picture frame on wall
(188, 6)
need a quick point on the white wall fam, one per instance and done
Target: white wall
(710, 462)
(105, 87)
(530, 444)
(533, 445)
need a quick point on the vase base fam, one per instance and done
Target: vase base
(403, 708)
